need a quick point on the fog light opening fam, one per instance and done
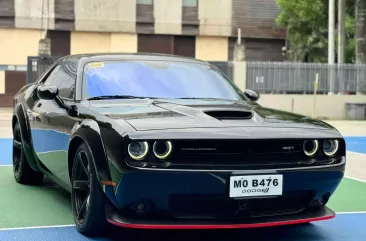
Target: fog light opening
(141, 207)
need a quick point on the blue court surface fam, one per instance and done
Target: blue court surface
(356, 144)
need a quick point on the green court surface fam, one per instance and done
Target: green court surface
(350, 196)
(26, 206)
(48, 205)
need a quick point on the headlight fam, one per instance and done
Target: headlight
(138, 150)
(330, 147)
(310, 147)
(162, 149)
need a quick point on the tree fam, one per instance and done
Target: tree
(307, 24)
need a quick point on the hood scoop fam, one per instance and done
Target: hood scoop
(229, 114)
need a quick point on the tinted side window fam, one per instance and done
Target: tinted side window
(51, 77)
(65, 80)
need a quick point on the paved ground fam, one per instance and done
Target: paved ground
(26, 210)
(5, 122)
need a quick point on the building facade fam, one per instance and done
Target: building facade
(205, 29)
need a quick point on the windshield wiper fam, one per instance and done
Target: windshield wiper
(198, 98)
(103, 97)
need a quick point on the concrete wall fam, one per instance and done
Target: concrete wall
(86, 42)
(168, 16)
(89, 42)
(105, 15)
(212, 48)
(2, 82)
(328, 106)
(239, 73)
(215, 17)
(17, 44)
(126, 43)
(28, 14)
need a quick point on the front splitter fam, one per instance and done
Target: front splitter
(304, 217)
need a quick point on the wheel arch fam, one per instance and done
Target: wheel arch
(19, 116)
(88, 132)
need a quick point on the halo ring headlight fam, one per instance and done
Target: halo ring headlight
(310, 147)
(162, 150)
(138, 150)
(330, 147)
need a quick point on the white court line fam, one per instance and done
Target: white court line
(356, 179)
(6, 165)
(360, 212)
(35, 227)
(357, 153)
(73, 225)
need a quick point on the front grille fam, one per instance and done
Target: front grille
(221, 206)
(242, 153)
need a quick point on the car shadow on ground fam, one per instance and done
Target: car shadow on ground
(292, 232)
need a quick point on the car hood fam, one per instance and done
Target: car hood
(179, 114)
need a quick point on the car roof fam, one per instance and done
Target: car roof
(130, 56)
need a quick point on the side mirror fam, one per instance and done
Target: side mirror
(47, 92)
(252, 95)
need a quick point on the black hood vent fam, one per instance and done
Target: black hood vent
(229, 114)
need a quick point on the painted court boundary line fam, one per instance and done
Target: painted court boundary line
(357, 153)
(73, 225)
(355, 179)
(40, 227)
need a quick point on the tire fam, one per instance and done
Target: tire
(23, 173)
(87, 197)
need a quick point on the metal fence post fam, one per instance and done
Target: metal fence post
(315, 90)
(29, 69)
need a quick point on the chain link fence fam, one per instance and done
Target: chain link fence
(299, 78)
(225, 67)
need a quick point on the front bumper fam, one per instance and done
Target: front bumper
(200, 199)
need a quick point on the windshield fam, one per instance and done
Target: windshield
(158, 79)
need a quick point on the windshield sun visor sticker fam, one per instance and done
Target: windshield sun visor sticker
(96, 65)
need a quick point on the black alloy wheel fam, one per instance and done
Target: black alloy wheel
(23, 173)
(81, 186)
(87, 197)
(17, 151)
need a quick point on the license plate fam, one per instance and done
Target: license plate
(256, 185)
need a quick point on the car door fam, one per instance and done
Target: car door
(51, 124)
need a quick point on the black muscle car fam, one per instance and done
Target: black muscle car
(165, 142)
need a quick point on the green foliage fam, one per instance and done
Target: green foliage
(307, 24)
(350, 39)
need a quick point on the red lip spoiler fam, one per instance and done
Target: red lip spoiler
(220, 226)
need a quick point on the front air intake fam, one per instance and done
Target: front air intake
(229, 115)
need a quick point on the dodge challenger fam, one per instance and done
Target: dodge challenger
(150, 141)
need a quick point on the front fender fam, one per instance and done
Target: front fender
(21, 116)
(89, 132)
